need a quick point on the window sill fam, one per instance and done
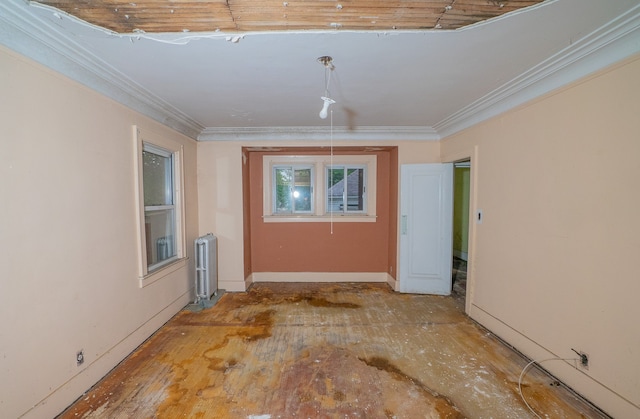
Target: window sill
(319, 218)
(162, 272)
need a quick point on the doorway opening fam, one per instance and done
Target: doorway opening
(460, 240)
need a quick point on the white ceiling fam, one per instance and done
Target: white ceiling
(416, 84)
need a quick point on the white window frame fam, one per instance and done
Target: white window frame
(320, 164)
(155, 143)
(346, 168)
(294, 167)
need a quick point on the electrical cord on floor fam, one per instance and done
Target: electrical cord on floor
(527, 367)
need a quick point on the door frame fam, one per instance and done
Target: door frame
(472, 156)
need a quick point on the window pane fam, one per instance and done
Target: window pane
(157, 175)
(302, 190)
(335, 193)
(351, 199)
(284, 179)
(160, 227)
(355, 189)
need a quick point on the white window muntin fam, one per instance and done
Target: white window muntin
(170, 211)
(297, 194)
(160, 213)
(344, 203)
(320, 162)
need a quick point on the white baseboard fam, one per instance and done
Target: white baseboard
(319, 277)
(393, 283)
(235, 286)
(65, 395)
(592, 389)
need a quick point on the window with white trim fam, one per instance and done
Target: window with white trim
(161, 212)
(293, 189)
(319, 188)
(346, 189)
(159, 206)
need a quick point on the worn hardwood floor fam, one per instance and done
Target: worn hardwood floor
(325, 351)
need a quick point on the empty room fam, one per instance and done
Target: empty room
(318, 209)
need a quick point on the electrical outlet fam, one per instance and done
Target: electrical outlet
(80, 357)
(584, 360)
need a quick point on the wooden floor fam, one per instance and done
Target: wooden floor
(325, 351)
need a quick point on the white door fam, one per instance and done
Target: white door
(426, 212)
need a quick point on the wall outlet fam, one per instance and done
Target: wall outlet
(80, 357)
(584, 360)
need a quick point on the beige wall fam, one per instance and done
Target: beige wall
(220, 208)
(68, 259)
(553, 263)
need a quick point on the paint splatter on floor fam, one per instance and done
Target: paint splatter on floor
(324, 351)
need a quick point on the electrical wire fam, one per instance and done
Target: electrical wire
(328, 69)
(331, 165)
(327, 80)
(527, 367)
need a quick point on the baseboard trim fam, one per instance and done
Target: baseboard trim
(66, 394)
(584, 385)
(319, 277)
(235, 286)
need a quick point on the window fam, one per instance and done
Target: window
(159, 206)
(293, 192)
(161, 227)
(343, 189)
(346, 188)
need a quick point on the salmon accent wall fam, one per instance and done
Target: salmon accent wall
(394, 182)
(246, 214)
(310, 246)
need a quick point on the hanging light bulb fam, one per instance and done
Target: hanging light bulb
(327, 62)
(327, 102)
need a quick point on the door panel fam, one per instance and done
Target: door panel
(426, 199)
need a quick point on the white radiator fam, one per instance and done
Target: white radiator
(206, 252)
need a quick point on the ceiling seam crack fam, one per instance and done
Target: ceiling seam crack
(233, 19)
(446, 9)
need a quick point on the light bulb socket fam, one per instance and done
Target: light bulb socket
(326, 61)
(325, 107)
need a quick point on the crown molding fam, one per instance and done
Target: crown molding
(44, 43)
(319, 133)
(611, 43)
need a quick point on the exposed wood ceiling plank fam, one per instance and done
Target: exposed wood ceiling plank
(268, 15)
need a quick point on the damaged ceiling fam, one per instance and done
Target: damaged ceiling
(157, 16)
(240, 69)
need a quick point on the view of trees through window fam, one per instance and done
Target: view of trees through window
(315, 188)
(293, 190)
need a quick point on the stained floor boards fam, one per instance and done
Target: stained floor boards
(325, 351)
